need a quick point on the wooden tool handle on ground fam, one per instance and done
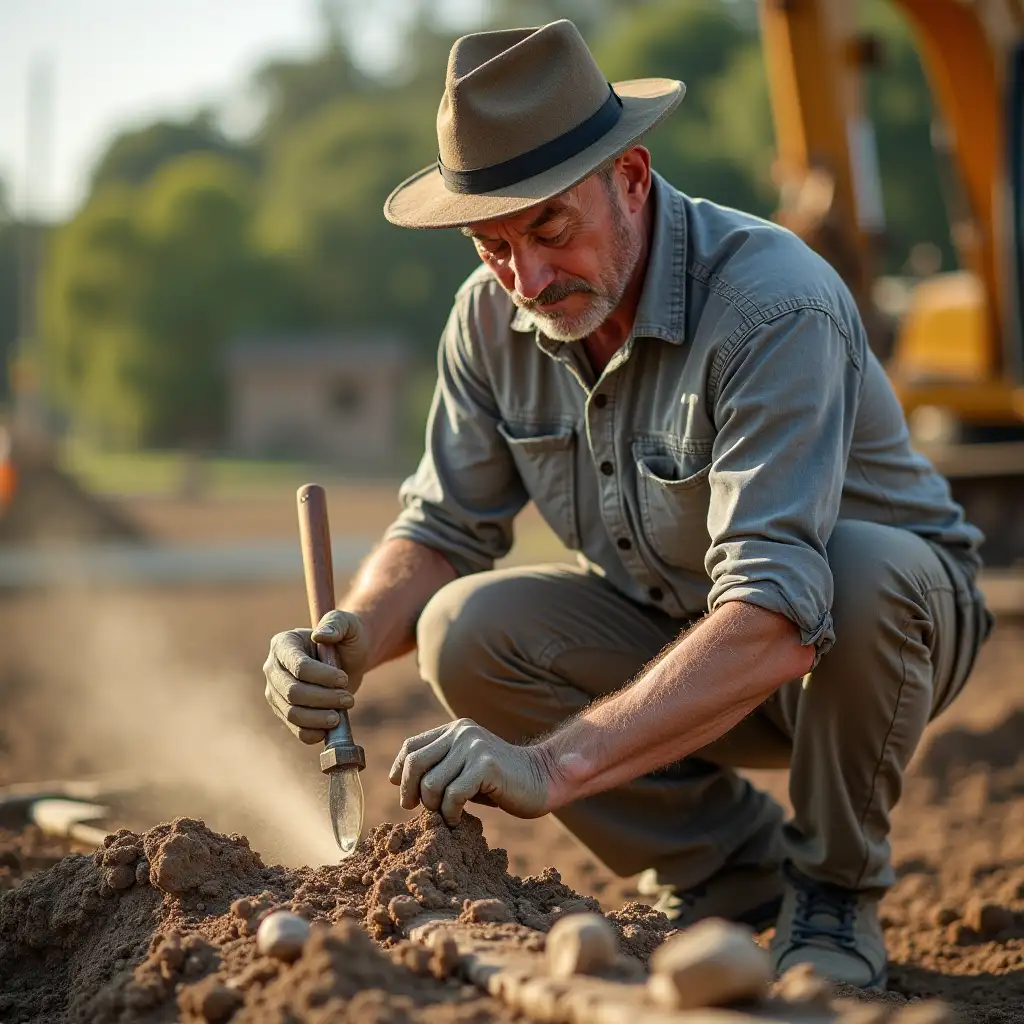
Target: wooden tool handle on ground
(317, 562)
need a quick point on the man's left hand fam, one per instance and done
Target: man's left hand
(447, 766)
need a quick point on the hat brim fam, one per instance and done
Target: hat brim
(425, 201)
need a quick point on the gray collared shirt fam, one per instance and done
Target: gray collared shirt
(709, 462)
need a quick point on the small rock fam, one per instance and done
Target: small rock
(120, 877)
(931, 1011)
(142, 873)
(396, 840)
(866, 1013)
(242, 909)
(282, 936)
(487, 911)
(959, 934)
(803, 985)
(943, 916)
(989, 920)
(581, 944)
(403, 909)
(413, 957)
(714, 963)
(445, 954)
(215, 1002)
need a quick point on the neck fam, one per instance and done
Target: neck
(608, 338)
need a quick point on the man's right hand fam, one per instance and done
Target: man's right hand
(305, 693)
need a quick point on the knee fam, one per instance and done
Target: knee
(875, 584)
(456, 635)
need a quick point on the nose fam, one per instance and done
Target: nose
(532, 273)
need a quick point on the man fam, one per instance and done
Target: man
(687, 394)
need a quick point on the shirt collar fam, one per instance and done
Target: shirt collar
(660, 311)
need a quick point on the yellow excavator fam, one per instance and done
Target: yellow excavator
(956, 353)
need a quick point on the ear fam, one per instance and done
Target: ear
(633, 174)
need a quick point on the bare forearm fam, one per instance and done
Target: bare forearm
(390, 590)
(707, 683)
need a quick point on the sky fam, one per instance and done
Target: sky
(115, 63)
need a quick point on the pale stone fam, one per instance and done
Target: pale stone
(581, 944)
(714, 963)
(282, 935)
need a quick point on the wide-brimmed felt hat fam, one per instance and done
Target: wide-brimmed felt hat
(526, 114)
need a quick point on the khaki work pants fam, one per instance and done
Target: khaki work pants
(519, 650)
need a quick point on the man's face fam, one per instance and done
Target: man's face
(568, 261)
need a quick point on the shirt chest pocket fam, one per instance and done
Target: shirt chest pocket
(674, 492)
(546, 460)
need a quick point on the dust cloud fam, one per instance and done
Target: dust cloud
(200, 736)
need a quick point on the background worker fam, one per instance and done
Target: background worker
(687, 394)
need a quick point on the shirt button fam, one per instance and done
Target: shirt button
(601, 400)
(607, 468)
(624, 543)
(656, 593)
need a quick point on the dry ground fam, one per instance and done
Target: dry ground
(167, 683)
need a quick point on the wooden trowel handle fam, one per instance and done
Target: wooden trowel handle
(317, 563)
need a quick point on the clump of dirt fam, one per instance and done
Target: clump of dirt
(164, 922)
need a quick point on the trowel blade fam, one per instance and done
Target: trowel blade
(345, 804)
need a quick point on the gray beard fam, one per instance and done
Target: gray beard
(604, 298)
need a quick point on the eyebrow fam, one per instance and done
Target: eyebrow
(547, 214)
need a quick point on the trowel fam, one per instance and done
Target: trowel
(341, 759)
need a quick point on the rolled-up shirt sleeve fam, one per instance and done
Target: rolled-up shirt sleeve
(464, 496)
(784, 403)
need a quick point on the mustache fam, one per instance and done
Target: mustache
(555, 292)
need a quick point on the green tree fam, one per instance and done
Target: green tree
(134, 156)
(324, 192)
(718, 142)
(147, 287)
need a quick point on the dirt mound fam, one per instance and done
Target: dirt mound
(49, 505)
(168, 919)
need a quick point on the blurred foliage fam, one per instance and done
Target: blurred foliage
(189, 238)
(136, 155)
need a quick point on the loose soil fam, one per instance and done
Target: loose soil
(161, 924)
(167, 684)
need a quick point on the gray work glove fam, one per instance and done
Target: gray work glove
(447, 766)
(305, 693)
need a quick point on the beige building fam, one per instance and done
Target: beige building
(333, 398)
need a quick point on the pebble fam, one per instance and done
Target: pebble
(989, 920)
(488, 911)
(282, 935)
(445, 954)
(219, 1003)
(714, 963)
(803, 985)
(932, 1011)
(242, 909)
(581, 944)
(943, 916)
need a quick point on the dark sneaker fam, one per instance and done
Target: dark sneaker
(836, 930)
(748, 895)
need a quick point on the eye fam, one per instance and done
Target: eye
(491, 246)
(554, 239)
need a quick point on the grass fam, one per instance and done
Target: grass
(165, 473)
